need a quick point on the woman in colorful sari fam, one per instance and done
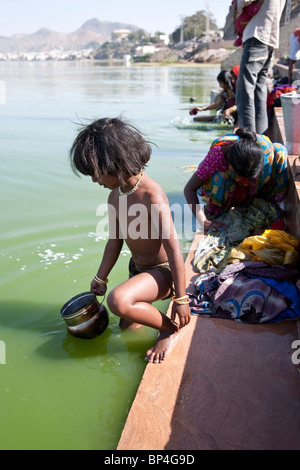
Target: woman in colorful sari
(238, 168)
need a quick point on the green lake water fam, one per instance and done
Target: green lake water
(56, 391)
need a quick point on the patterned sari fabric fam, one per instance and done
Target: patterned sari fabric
(223, 190)
(248, 292)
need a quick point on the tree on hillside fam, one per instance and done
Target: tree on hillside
(193, 26)
(138, 37)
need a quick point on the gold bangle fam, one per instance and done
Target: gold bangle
(100, 281)
(184, 300)
(184, 297)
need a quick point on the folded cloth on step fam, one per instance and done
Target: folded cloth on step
(249, 292)
(273, 247)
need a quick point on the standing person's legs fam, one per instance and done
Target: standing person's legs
(260, 97)
(255, 55)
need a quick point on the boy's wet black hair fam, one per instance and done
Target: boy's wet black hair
(246, 155)
(109, 146)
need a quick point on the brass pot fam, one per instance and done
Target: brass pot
(85, 317)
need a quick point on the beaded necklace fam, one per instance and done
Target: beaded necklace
(135, 187)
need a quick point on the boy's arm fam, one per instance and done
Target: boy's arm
(172, 247)
(111, 254)
(177, 267)
(109, 259)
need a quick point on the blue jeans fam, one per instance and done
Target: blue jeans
(252, 92)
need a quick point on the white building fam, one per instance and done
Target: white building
(120, 35)
(165, 38)
(146, 49)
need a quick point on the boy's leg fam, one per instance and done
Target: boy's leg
(133, 298)
(132, 301)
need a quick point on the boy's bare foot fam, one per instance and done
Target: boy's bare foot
(164, 344)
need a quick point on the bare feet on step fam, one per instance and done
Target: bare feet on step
(163, 346)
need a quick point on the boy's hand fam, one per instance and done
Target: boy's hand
(183, 312)
(98, 289)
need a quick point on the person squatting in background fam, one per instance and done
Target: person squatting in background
(238, 168)
(225, 102)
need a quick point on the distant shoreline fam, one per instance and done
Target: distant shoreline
(119, 63)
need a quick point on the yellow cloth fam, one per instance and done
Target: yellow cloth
(272, 247)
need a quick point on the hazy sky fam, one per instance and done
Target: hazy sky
(27, 16)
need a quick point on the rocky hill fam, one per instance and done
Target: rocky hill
(92, 33)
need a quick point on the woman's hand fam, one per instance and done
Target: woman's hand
(98, 289)
(226, 113)
(214, 225)
(229, 111)
(194, 111)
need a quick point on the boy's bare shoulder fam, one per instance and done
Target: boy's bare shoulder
(154, 191)
(113, 196)
(149, 192)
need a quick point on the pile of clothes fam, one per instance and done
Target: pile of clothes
(251, 282)
(213, 250)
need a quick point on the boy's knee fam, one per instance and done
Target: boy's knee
(112, 302)
(116, 303)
